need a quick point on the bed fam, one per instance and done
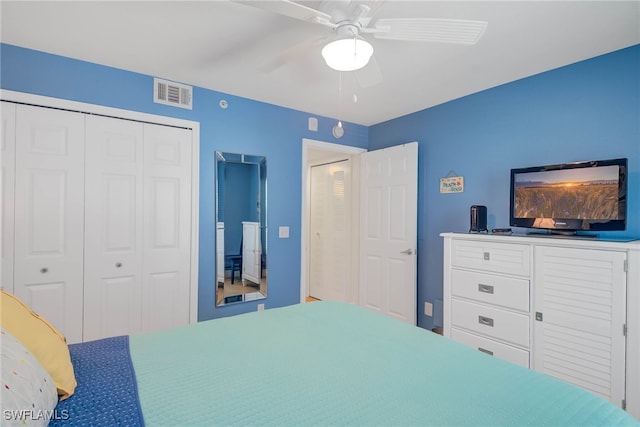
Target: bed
(320, 363)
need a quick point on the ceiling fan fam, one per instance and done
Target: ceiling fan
(348, 50)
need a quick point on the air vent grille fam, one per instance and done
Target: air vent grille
(171, 93)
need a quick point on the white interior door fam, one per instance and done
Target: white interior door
(49, 215)
(389, 201)
(251, 251)
(8, 157)
(329, 225)
(167, 227)
(113, 236)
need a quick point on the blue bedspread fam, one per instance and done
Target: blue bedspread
(107, 393)
(335, 364)
(327, 364)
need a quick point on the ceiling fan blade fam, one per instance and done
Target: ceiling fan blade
(292, 10)
(460, 31)
(370, 75)
(290, 54)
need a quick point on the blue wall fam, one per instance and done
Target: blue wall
(586, 111)
(246, 126)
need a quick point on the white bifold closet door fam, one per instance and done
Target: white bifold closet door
(49, 215)
(113, 238)
(96, 220)
(8, 159)
(329, 227)
(138, 226)
(166, 234)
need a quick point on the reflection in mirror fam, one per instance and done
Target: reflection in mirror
(241, 228)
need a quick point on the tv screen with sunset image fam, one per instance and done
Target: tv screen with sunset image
(584, 193)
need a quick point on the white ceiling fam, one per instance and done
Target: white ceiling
(224, 46)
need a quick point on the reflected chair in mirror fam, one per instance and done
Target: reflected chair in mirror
(234, 263)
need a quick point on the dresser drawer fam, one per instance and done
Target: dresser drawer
(510, 292)
(494, 322)
(507, 258)
(494, 348)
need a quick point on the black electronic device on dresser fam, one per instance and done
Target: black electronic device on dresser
(478, 219)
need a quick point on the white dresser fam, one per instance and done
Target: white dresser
(567, 307)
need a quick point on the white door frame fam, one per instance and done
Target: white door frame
(45, 101)
(333, 150)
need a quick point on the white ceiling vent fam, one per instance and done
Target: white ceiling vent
(171, 93)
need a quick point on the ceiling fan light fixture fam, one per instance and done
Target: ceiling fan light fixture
(348, 54)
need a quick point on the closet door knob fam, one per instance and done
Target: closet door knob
(44, 270)
(118, 264)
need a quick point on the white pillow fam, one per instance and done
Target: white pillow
(28, 395)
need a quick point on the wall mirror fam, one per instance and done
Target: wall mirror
(241, 228)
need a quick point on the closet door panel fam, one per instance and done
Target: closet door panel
(329, 231)
(49, 220)
(8, 156)
(167, 227)
(113, 210)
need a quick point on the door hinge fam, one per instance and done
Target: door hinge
(624, 329)
(624, 404)
(625, 266)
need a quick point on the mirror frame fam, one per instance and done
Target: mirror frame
(253, 280)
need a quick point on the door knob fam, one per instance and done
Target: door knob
(408, 251)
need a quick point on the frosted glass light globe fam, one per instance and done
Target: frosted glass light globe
(347, 54)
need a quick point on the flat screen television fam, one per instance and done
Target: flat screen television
(570, 197)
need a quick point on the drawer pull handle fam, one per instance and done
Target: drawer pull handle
(486, 256)
(487, 321)
(118, 264)
(487, 289)
(44, 270)
(484, 350)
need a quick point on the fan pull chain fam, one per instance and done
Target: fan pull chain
(340, 98)
(337, 130)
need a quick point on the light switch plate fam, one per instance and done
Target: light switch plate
(428, 309)
(313, 124)
(283, 232)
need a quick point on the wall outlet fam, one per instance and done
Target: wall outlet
(260, 307)
(428, 309)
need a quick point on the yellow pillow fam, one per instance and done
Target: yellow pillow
(40, 338)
